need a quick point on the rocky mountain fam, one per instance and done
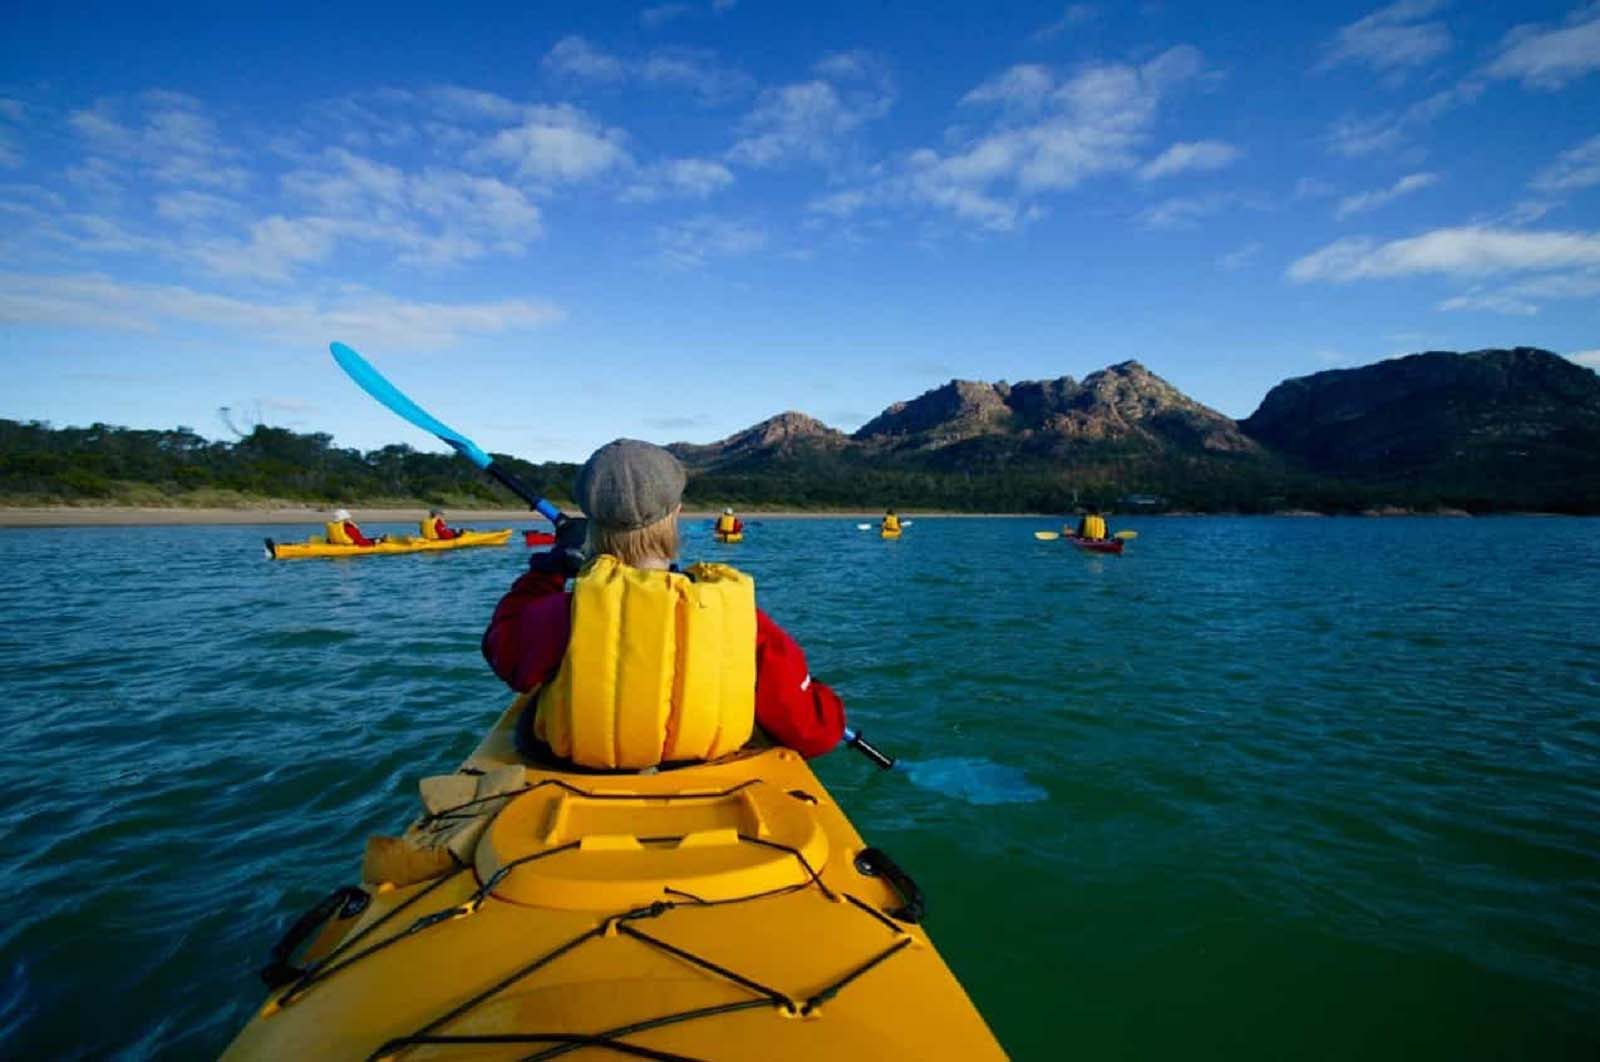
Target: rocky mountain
(1505, 427)
(1487, 430)
(1125, 403)
(786, 436)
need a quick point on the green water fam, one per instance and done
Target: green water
(1259, 788)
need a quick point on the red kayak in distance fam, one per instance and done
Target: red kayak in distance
(539, 538)
(1096, 545)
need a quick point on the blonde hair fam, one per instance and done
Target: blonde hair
(657, 541)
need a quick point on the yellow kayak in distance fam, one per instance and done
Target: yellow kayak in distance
(885, 533)
(316, 547)
(720, 911)
(736, 536)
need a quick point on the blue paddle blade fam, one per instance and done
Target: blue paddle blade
(373, 383)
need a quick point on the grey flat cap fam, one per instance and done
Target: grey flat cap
(628, 484)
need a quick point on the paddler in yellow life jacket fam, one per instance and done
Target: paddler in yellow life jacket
(343, 531)
(891, 523)
(434, 529)
(1092, 525)
(728, 524)
(640, 663)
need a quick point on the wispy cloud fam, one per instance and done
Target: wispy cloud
(692, 243)
(104, 303)
(1202, 155)
(1362, 202)
(557, 144)
(1391, 39)
(659, 15)
(809, 120)
(1074, 15)
(1355, 136)
(1458, 252)
(1184, 211)
(1547, 57)
(1240, 257)
(576, 58)
(683, 178)
(166, 134)
(1590, 358)
(1574, 169)
(1049, 134)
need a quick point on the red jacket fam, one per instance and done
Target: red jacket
(528, 633)
(443, 530)
(356, 536)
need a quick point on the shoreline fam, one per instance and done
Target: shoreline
(22, 516)
(175, 516)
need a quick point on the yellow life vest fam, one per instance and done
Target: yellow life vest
(659, 666)
(334, 530)
(891, 522)
(430, 528)
(1094, 526)
(726, 524)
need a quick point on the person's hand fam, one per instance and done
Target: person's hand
(567, 556)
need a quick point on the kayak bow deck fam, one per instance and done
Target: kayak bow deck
(726, 910)
(389, 547)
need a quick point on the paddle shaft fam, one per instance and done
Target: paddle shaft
(867, 749)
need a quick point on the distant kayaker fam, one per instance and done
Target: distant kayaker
(343, 531)
(640, 663)
(728, 524)
(434, 527)
(1092, 525)
(891, 523)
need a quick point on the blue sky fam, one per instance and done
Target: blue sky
(556, 224)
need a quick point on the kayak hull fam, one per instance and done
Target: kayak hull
(726, 910)
(730, 539)
(393, 547)
(888, 534)
(1093, 545)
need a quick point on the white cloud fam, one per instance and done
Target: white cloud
(1491, 302)
(1356, 136)
(691, 243)
(1240, 257)
(1183, 212)
(1545, 57)
(1391, 38)
(1025, 86)
(806, 121)
(557, 143)
(1365, 201)
(1577, 168)
(1468, 251)
(698, 71)
(1048, 136)
(684, 178)
(1189, 155)
(1590, 358)
(839, 204)
(661, 14)
(1074, 15)
(191, 206)
(168, 135)
(576, 58)
(100, 302)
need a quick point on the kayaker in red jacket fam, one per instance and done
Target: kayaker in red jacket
(631, 492)
(343, 531)
(434, 527)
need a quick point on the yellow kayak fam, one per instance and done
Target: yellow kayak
(725, 910)
(317, 547)
(886, 533)
(732, 537)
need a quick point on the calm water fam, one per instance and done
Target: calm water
(1257, 789)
